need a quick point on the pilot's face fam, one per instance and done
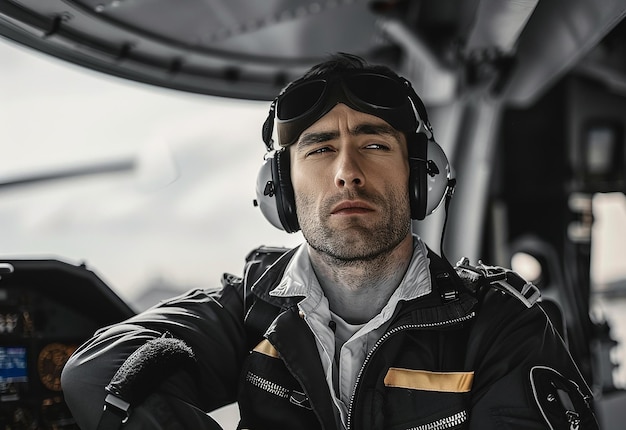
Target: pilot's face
(350, 176)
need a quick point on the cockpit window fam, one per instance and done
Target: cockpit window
(608, 270)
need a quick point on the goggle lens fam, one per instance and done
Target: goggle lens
(301, 104)
(299, 100)
(377, 91)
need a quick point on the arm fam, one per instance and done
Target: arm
(524, 376)
(209, 322)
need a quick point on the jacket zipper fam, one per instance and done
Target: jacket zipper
(387, 336)
(295, 397)
(444, 423)
(267, 386)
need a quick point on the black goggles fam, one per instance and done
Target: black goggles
(392, 99)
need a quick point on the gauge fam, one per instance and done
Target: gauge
(52, 358)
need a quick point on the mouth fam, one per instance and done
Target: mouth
(351, 208)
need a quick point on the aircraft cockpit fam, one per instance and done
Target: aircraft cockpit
(47, 309)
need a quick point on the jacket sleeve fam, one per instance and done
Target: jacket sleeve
(210, 322)
(524, 377)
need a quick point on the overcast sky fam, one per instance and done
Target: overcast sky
(184, 215)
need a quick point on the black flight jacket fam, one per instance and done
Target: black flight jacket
(466, 356)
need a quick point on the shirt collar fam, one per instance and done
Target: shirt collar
(299, 278)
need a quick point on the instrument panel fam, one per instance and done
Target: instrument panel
(47, 309)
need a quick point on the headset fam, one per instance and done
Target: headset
(430, 177)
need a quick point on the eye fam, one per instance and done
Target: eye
(320, 150)
(378, 146)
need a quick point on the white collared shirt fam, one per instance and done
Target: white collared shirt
(342, 369)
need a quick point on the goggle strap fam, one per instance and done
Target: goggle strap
(418, 104)
(419, 110)
(423, 126)
(268, 128)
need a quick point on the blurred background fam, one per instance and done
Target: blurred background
(172, 208)
(130, 134)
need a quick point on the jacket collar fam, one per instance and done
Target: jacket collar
(429, 311)
(270, 280)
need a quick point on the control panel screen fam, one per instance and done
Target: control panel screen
(13, 364)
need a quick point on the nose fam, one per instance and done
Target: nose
(349, 172)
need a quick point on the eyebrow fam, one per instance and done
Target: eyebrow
(313, 138)
(376, 129)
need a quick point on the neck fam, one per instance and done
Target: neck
(358, 290)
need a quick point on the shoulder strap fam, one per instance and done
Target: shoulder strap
(259, 260)
(259, 313)
(499, 278)
(465, 276)
(446, 278)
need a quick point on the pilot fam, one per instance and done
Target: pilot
(362, 326)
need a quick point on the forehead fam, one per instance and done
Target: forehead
(343, 120)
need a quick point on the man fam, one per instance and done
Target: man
(362, 327)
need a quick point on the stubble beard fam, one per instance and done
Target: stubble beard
(356, 242)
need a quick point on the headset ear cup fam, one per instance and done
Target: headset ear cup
(266, 193)
(438, 175)
(428, 181)
(417, 176)
(274, 192)
(285, 197)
